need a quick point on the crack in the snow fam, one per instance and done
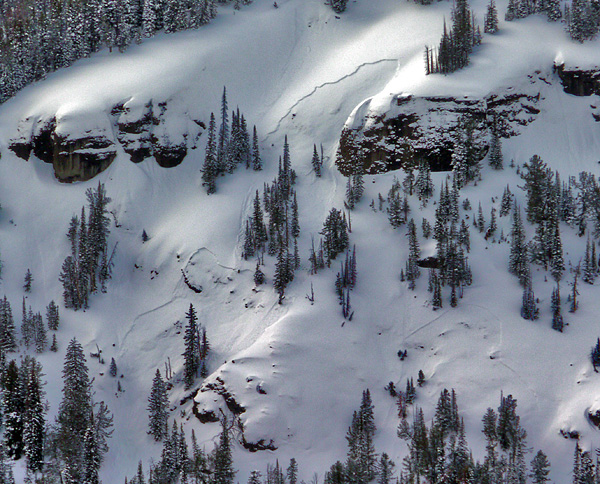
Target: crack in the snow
(320, 86)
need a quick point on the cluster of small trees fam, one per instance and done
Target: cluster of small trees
(89, 266)
(345, 281)
(452, 241)
(196, 349)
(24, 412)
(522, 8)
(582, 19)
(279, 236)
(70, 451)
(178, 465)
(457, 44)
(40, 36)
(228, 147)
(33, 329)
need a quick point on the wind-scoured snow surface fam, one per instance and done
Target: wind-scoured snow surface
(299, 70)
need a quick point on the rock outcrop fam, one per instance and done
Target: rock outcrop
(80, 145)
(579, 82)
(417, 129)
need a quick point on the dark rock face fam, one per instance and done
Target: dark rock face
(83, 158)
(424, 129)
(135, 134)
(80, 154)
(579, 82)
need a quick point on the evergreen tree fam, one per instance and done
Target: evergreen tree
(385, 470)
(75, 409)
(292, 472)
(91, 457)
(316, 162)
(223, 138)
(557, 319)
(191, 354)
(13, 402)
(518, 263)
(158, 408)
(540, 468)
(210, 170)
(491, 18)
(28, 281)
(54, 345)
(52, 316)
(256, 159)
(113, 368)
(529, 308)
(495, 156)
(223, 461)
(8, 341)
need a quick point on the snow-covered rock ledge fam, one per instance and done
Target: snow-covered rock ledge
(81, 144)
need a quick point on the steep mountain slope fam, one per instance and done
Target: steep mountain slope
(299, 70)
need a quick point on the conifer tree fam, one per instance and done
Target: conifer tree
(495, 157)
(223, 138)
(157, 408)
(292, 472)
(8, 341)
(28, 281)
(223, 461)
(518, 263)
(210, 170)
(191, 355)
(529, 308)
(540, 468)
(316, 162)
(52, 316)
(491, 18)
(557, 319)
(256, 159)
(13, 402)
(75, 409)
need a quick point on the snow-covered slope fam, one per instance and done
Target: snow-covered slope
(299, 70)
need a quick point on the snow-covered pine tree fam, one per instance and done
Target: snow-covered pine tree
(112, 371)
(223, 137)
(210, 169)
(589, 273)
(191, 355)
(8, 342)
(28, 281)
(256, 159)
(540, 468)
(555, 302)
(491, 18)
(424, 184)
(529, 309)
(38, 329)
(13, 403)
(316, 162)
(495, 156)
(52, 316)
(158, 408)
(34, 428)
(224, 472)
(414, 252)
(506, 203)
(74, 411)
(518, 262)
